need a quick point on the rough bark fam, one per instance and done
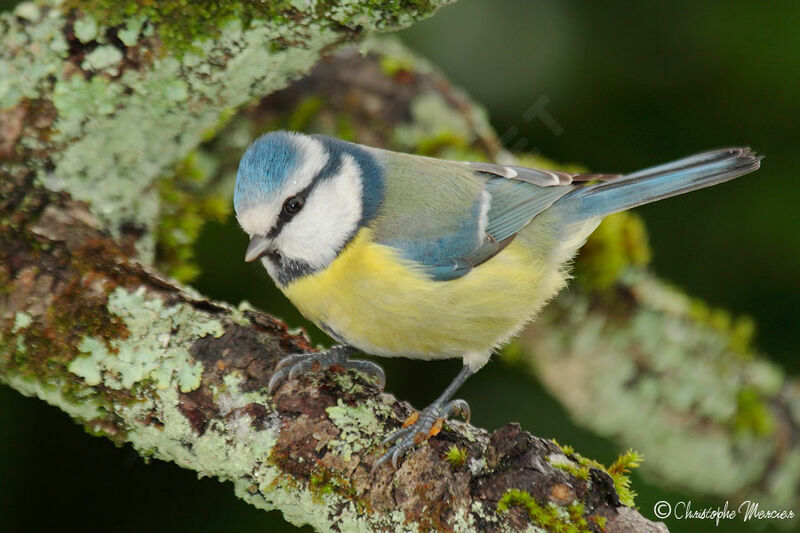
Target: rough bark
(137, 359)
(95, 115)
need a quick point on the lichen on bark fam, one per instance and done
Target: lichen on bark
(183, 379)
(123, 106)
(110, 97)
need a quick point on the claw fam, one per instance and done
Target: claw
(299, 368)
(290, 359)
(382, 459)
(396, 455)
(295, 365)
(369, 368)
(418, 428)
(400, 433)
(459, 407)
(276, 378)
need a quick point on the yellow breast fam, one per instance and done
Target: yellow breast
(380, 303)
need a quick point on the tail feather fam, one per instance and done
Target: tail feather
(662, 181)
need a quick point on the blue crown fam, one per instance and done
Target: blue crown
(264, 167)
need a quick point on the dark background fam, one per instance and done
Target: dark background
(630, 84)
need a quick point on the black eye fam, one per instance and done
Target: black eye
(292, 205)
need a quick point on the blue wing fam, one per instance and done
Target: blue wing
(449, 217)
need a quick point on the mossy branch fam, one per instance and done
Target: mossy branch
(91, 115)
(139, 360)
(100, 98)
(650, 367)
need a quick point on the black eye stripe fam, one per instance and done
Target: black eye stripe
(285, 217)
(330, 169)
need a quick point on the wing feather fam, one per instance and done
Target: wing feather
(450, 216)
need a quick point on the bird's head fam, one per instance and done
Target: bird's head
(302, 198)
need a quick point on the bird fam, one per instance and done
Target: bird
(401, 255)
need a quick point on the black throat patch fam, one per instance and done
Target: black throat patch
(285, 270)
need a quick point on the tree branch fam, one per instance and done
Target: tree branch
(137, 359)
(660, 372)
(97, 114)
(100, 111)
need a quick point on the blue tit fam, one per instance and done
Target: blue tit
(400, 255)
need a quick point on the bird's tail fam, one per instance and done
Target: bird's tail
(651, 184)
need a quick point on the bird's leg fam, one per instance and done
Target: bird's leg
(293, 366)
(420, 426)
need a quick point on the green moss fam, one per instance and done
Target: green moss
(563, 462)
(345, 129)
(580, 466)
(753, 414)
(514, 352)
(442, 143)
(553, 518)
(600, 521)
(456, 456)
(303, 113)
(324, 481)
(655, 377)
(186, 205)
(436, 129)
(740, 331)
(41, 348)
(186, 67)
(539, 161)
(181, 24)
(393, 65)
(617, 244)
(36, 352)
(619, 471)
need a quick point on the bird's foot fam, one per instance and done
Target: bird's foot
(335, 357)
(419, 427)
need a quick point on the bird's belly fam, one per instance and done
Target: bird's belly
(372, 299)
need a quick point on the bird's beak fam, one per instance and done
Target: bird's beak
(258, 247)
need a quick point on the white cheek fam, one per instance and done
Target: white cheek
(330, 216)
(258, 220)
